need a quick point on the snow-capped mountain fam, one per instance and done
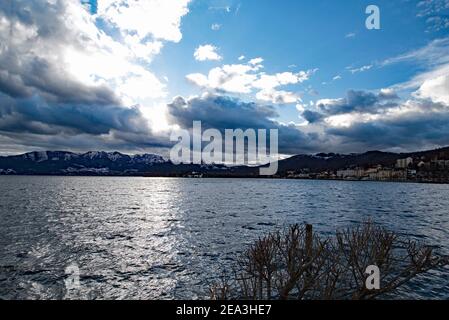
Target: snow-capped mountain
(63, 162)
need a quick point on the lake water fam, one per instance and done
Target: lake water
(149, 238)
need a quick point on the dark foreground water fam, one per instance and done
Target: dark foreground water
(142, 238)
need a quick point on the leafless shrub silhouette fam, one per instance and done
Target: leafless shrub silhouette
(297, 264)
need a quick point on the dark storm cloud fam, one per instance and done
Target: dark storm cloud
(35, 123)
(38, 76)
(32, 36)
(426, 125)
(358, 101)
(43, 97)
(42, 104)
(222, 112)
(312, 116)
(35, 115)
(355, 101)
(20, 142)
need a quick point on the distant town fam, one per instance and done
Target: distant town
(427, 166)
(407, 169)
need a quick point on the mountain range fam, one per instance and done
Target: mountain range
(94, 163)
(116, 163)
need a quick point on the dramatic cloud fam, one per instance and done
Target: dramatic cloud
(355, 101)
(311, 116)
(65, 71)
(413, 125)
(54, 48)
(222, 112)
(34, 48)
(366, 120)
(35, 115)
(207, 52)
(362, 120)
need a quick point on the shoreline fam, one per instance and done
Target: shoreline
(224, 177)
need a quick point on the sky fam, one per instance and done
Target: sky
(111, 75)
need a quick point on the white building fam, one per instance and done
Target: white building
(404, 163)
(350, 173)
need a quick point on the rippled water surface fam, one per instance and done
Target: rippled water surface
(145, 238)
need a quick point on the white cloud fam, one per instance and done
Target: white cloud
(278, 97)
(226, 9)
(160, 19)
(267, 82)
(215, 27)
(434, 53)
(141, 86)
(198, 79)
(255, 61)
(242, 58)
(361, 69)
(350, 35)
(337, 77)
(435, 13)
(436, 89)
(247, 79)
(300, 107)
(207, 52)
(236, 78)
(404, 110)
